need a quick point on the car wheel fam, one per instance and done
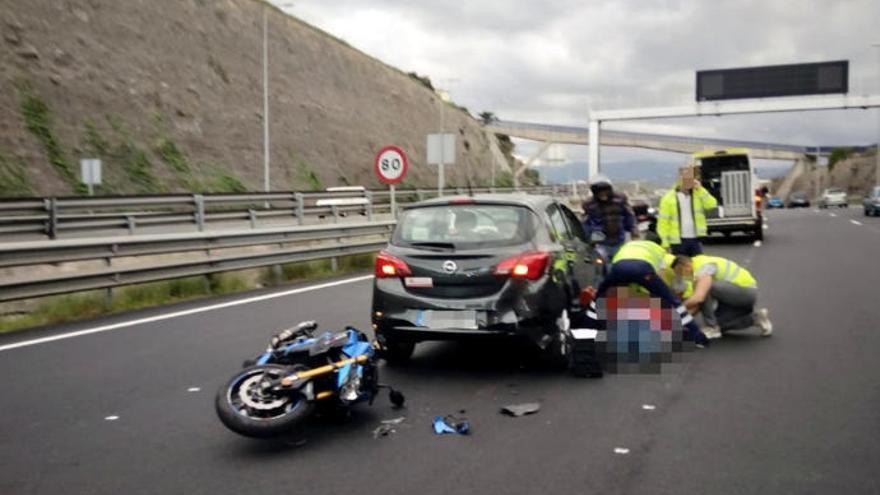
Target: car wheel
(395, 351)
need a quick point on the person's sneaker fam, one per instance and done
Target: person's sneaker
(712, 331)
(701, 341)
(762, 319)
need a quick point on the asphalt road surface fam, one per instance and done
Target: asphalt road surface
(130, 410)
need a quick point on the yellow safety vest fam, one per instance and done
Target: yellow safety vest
(668, 226)
(727, 271)
(643, 251)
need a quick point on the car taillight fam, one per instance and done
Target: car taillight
(388, 266)
(530, 265)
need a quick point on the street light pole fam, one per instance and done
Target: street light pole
(877, 148)
(265, 98)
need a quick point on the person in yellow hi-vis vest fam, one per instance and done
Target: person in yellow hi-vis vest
(681, 220)
(724, 292)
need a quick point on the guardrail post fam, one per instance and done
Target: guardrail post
(420, 194)
(52, 227)
(369, 205)
(108, 292)
(132, 223)
(335, 211)
(253, 216)
(300, 207)
(199, 201)
(459, 191)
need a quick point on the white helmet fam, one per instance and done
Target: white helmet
(600, 182)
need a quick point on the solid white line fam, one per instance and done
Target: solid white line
(833, 214)
(855, 222)
(187, 312)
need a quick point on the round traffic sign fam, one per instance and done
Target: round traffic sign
(391, 165)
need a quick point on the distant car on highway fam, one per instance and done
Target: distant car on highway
(833, 197)
(798, 200)
(872, 202)
(775, 202)
(487, 265)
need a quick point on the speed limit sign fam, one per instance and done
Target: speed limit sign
(391, 165)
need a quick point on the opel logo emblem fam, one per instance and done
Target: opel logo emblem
(449, 266)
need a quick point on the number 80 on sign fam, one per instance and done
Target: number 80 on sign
(391, 165)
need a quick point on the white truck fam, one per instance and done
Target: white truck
(729, 176)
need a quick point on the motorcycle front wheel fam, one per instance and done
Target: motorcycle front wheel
(247, 409)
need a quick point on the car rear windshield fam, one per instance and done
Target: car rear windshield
(465, 226)
(835, 191)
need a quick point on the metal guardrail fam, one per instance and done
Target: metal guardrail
(282, 246)
(137, 257)
(86, 216)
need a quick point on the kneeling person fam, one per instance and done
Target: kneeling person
(724, 292)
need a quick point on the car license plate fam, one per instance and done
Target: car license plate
(419, 282)
(439, 320)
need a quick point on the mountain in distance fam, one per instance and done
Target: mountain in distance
(659, 172)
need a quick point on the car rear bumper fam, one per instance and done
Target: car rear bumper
(526, 308)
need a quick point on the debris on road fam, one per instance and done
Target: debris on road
(451, 424)
(111, 418)
(648, 407)
(387, 427)
(621, 450)
(517, 410)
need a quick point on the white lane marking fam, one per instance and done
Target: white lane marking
(648, 407)
(193, 389)
(817, 211)
(193, 311)
(111, 418)
(855, 222)
(766, 227)
(621, 450)
(757, 244)
(833, 214)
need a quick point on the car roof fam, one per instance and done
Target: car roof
(533, 201)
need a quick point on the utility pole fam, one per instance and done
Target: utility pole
(265, 98)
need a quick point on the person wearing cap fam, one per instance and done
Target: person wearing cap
(723, 291)
(682, 217)
(608, 212)
(642, 263)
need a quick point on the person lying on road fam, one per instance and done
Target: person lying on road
(640, 262)
(724, 292)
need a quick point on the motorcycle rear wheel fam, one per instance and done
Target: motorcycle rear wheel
(245, 409)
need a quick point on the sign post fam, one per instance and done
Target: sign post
(441, 152)
(90, 173)
(391, 166)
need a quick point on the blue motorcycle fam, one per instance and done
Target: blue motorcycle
(298, 372)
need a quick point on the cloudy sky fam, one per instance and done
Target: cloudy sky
(552, 61)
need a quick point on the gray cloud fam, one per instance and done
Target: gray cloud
(551, 61)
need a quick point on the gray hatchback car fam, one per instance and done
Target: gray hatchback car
(488, 265)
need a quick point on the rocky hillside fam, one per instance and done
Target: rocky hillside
(855, 174)
(168, 94)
